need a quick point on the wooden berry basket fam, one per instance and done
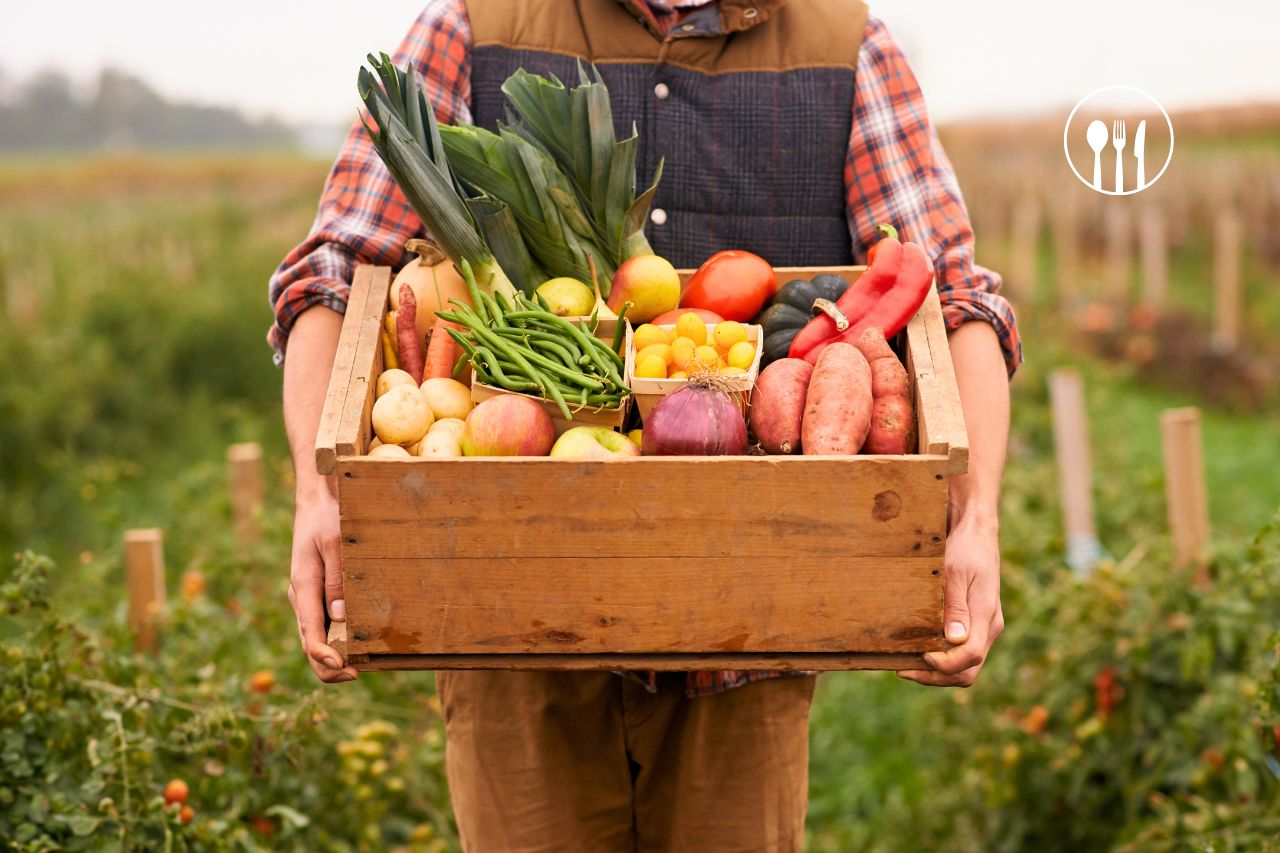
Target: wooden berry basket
(758, 562)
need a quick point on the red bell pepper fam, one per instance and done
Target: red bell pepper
(887, 295)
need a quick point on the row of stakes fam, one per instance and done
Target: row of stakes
(1185, 496)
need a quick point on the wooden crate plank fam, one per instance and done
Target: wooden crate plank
(638, 605)
(353, 428)
(665, 663)
(939, 416)
(655, 507)
(335, 401)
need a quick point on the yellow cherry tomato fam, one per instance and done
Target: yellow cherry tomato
(741, 355)
(729, 333)
(706, 359)
(679, 374)
(651, 367)
(691, 326)
(663, 351)
(647, 334)
(730, 370)
(682, 352)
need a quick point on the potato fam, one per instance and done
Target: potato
(402, 415)
(374, 442)
(837, 406)
(389, 379)
(448, 398)
(390, 451)
(777, 404)
(453, 425)
(445, 444)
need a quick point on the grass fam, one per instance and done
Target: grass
(134, 315)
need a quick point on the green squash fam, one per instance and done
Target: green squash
(791, 308)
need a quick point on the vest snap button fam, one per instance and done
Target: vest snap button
(688, 28)
(661, 91)
(749, 13)
(658, 216)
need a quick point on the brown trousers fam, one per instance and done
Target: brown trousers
(572, 761)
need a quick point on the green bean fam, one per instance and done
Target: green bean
(499, 316)
(559, 398)
(499, 376)
(499, 345)
(544, 363)
(551, 348)
(620, 330)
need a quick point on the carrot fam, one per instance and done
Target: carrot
(893, 424)
(410, 350)
(442, 351)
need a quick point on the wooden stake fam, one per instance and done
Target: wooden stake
(1024, 248)
(1226, 280)
(1071, 447)
(1155, 258)
(244, 468)
(1066, 248)
(1119, 241)
(1184, 490)
(144, 574)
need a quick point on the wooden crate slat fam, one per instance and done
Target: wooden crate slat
(662, 663)
(643, 507)
(353, 428)
(335, 401)
(586, 605)
(940, 420)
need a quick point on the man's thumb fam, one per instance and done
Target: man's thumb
(955, 614)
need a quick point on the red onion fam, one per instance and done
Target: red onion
(698, 420)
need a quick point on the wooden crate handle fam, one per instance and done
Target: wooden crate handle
(941, 420)
(369, 286)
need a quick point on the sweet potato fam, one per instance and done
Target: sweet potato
(409, 348)
(893, 422)
(777, 404)
(837, 406)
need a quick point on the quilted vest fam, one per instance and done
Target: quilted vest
(749, 104)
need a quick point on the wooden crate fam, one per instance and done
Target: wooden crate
(764, 562)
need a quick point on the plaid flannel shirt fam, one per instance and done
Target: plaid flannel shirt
(895, 171)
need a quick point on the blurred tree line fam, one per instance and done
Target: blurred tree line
(120, 112)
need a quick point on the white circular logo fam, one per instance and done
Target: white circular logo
(1112, 136)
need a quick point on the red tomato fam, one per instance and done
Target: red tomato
(669, 318)
(733, 284)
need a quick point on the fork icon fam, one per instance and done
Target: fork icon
(1117, 141)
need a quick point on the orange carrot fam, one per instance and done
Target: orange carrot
(442, 351)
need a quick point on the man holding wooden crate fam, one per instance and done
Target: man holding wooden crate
(790, 129)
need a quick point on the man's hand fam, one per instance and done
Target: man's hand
(972, 613)
(315, 578)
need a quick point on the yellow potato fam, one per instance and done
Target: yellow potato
(453, 425)
(389, 379)
(448, 398)
(445, 444)
(402, 415)
(390, 451)
(375, 442)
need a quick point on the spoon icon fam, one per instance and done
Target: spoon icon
(1097, 138)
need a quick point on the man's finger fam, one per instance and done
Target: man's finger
(965, 656)
(308, 603)
(332, 554)
(955, 609)
(930, 678)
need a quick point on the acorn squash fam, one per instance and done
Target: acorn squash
(792, 307)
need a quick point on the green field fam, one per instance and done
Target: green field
(134, 315)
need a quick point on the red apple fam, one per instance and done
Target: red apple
(594, 442)
(508, 425)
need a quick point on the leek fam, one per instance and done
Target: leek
(575, 127)
(407, 138)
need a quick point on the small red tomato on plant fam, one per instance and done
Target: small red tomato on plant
(187, 814)
(1035, 721)
(262, 681)
(733, 284)
(176, 792)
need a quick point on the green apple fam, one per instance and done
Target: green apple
(567, 297)
(593, 442)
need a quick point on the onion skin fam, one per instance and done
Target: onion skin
(697, 420)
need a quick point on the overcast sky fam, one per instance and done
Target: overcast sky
(298, 60)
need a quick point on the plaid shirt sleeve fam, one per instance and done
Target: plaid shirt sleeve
(897, 172)
(363, 216)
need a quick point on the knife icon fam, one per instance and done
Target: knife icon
(1139, 141)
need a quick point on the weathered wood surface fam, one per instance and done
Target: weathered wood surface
(354, 425)
(144, 576)
(335, 401)
(644, 507)
(938, 414)
(637, 605)
(662, 663)
(244, 475)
